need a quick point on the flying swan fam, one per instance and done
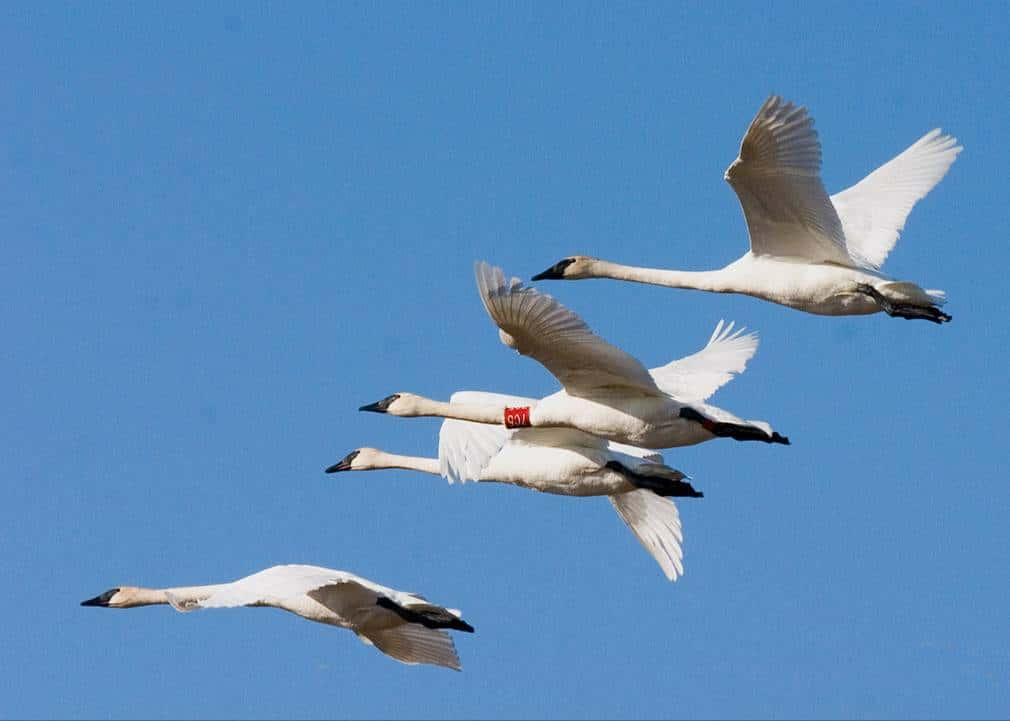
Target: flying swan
(560, 461)
(809, 251)
(606, 392)
(402, 625)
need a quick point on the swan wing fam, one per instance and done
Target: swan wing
(465, 448)
(777, 179)
(655, 522)
(873, 211)
(412, 643)
(536, 325)
(696, 377)
(279, 583)
(646, 454)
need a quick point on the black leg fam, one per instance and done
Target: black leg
(736, 431)
(657, 484)
(903, 310)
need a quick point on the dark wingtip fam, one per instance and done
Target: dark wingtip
(344, 464)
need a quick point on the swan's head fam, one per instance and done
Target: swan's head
(113, 598)
(571, 268)
(360, 459)
(398, 404)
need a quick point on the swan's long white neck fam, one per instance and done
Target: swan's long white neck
(135, 596)
(475, 412)
(713, 281)
(381, 459)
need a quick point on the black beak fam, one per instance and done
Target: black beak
(102, 600)
(380, 406)
(556, 271)
(344, 464)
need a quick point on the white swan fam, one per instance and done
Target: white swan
(560, 461)
(402, 625)
(607, 392)
(809, 251)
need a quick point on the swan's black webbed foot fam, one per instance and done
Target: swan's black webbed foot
(657, 484)
(736, 431)
(903, 310)
(427, 615)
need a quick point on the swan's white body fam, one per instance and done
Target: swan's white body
(607, 392)
(808, 251)
(559, 461)
(336, 598)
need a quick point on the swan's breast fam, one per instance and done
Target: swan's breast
(557, 470)
(822, 288)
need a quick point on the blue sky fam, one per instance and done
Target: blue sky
(227, 227)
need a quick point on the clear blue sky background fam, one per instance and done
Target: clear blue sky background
(226, 228)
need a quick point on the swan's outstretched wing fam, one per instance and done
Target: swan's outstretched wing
(777, 179)
(873, 211)
(537, 325)
(698, 376)
(655, 522)
(465, 448)
(413, 644)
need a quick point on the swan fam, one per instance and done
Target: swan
(809, 251)
(606, 392)
(402, 625)
(560, 461)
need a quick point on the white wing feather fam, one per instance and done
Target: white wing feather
(646, 454)
(536, 325)
(412, 644)
(465, 448)
(777, 179)
(873, 211)
(696, 377)
(655, 522)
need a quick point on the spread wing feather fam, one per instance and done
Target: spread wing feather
(777, 179)
(696, 377)
(536, 325)
(655, 522)
(873, 211)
